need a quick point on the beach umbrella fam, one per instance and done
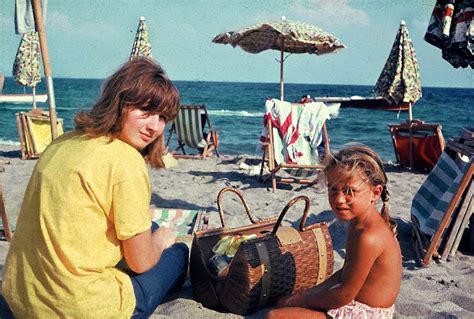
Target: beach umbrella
(141, 45)
(26, 67)
(282, 35)
(400, 78)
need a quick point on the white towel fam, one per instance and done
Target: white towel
(24, 19)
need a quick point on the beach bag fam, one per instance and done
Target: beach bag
(281, 260)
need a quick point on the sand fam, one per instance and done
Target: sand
(437, 291)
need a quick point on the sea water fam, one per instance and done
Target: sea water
(236, 110)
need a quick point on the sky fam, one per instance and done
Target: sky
(92, 38)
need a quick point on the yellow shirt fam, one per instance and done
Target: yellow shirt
(85, 195)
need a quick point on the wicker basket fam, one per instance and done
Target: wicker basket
(280, 261)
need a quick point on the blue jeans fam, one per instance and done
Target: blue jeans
(168, 274)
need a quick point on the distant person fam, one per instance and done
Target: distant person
(306, 99)
(87, 207)
(368, 284)
(2, 82)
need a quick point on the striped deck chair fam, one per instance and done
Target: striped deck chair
(434, 203)
(189, 128)
(292, 141)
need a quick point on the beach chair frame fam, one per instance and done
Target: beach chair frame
(268, 158)
(197, 130)
(414, 129)
(5, 233)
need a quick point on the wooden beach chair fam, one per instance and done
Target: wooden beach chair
(417, 144)
(34, 129)
(442, 207)
(5, 232)
(286, 135)
(189, 128)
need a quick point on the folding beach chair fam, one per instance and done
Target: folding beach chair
(292, 141)
(417, 144)
(442, 207)
(34, 130)
(189, 128)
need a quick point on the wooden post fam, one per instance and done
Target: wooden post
(46, 65)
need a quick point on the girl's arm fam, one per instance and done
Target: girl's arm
(359, 260)
(143, 250)
(319, 289)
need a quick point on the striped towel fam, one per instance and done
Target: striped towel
(435, 194)
(181, 220)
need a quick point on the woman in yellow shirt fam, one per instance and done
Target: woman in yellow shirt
(86, 208)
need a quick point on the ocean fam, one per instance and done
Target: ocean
(236, 110)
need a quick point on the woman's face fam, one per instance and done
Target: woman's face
(141, 128)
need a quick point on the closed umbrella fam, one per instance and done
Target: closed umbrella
(26, 68)
(141, 44)
(400, 78)
(284, 36)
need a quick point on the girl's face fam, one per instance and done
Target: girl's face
(351, 196)
(140, 128)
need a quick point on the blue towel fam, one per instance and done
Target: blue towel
(435, 194)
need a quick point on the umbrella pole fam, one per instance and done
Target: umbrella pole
(34, 97)
(46, 65)
(282, 90)
(410, 139)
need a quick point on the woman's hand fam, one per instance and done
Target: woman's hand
(163, 238)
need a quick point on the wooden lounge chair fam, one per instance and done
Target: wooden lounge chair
(442, 207)
(189, 128)
(279, 151)
(417, 144)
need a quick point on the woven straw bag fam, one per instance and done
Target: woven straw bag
(280, 261)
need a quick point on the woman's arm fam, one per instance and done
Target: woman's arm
(143, 250)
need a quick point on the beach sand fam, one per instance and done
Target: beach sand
(437, 291)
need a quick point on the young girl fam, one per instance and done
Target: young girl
(368, 284)
(86, 208)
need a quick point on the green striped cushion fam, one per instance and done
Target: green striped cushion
(181, 220)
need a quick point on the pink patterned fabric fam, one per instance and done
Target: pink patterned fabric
(358, 310)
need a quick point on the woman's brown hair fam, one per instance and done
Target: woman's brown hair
(142, 84)
(363, 160)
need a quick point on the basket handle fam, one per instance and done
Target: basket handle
(252, 218)
(287, 207)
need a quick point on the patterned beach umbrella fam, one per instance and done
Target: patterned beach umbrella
(26, 68)
(141, 45)
(284, 36)
(400, 78)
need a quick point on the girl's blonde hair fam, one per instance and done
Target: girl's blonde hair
(363, 160)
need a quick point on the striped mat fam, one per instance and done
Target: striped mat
(432, 199)
(181, 220)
